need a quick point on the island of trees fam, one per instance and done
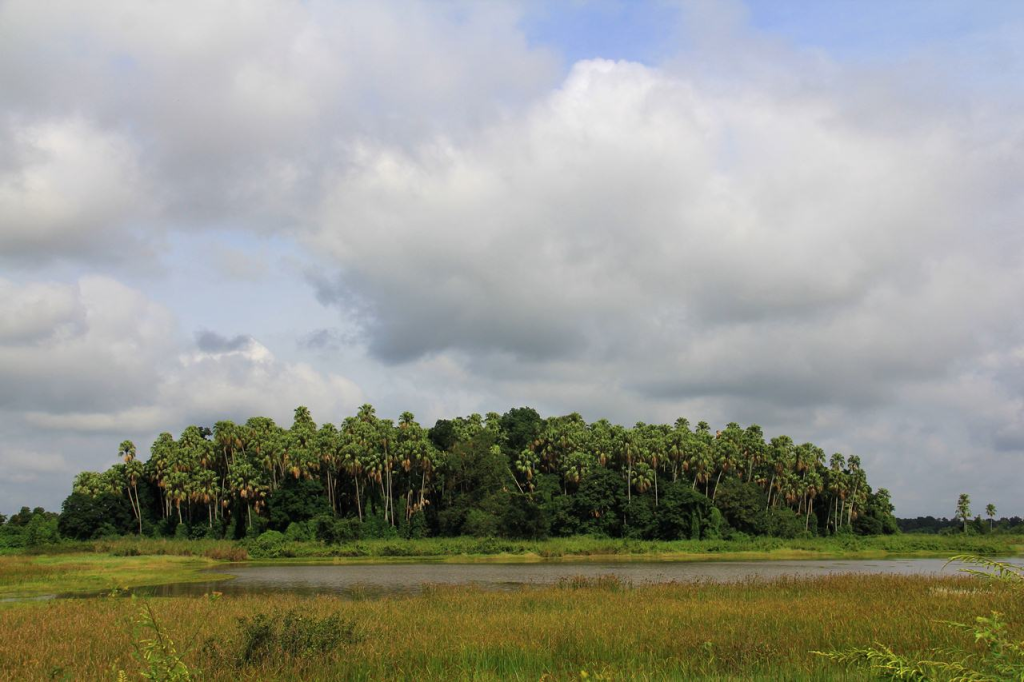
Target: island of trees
(509, 475)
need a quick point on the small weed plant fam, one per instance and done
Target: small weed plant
(156, 653)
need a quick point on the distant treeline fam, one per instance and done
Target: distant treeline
(513, 475)
(942, 525)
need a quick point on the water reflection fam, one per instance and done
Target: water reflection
(367, 580)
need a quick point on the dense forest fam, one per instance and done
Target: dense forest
(511, 475)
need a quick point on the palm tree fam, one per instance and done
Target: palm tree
(161, 455)
(677, 442)
(963, 508)
(812, 483)
(856, 479)
(727, 450)
(836, 486)
(781, 452)
(328, 447)
(990, 512)
(627, 450)
(753, 449)
(132, 472)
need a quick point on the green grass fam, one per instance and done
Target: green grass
(751, 630)
(31, 576)
(575, 548)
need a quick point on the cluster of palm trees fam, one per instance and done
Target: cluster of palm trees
(370, 460)
(790, 475)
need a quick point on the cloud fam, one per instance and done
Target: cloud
(38, 312)
(67, 189)
(326, 340)
(211, 342)
(226, 114)
(123, 371)
(759, 233)
(104, 349)
(643, 242)
(632, 210)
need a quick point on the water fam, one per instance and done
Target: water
(388, 579)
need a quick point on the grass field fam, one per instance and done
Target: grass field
(468, 548)
(28, 576)
(606, 630)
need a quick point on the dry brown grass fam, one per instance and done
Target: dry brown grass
(752, 629)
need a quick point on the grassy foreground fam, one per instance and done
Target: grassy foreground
(756, 629)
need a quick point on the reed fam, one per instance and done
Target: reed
(754, 629)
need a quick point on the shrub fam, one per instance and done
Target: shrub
(297, 532)
(293, 634)
(268, 542)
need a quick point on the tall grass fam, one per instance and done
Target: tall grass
(754, 629)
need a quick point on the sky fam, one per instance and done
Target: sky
(803, 215)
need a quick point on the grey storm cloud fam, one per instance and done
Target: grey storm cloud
(211, 342)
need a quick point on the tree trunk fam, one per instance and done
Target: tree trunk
(717, 481)
(629, 482)
(359, 501)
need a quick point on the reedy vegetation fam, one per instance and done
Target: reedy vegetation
(396, 472)
(751, 630)
(1001, 655)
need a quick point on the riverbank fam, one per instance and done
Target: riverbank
(34, 576)
(605, 629)
(107, 565)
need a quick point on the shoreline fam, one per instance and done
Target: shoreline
(130, 564)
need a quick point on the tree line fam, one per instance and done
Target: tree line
(514, 474)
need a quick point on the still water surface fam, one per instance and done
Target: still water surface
(383, 579)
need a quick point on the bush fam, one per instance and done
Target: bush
(480, 524)
(376, 527)
(269, 545)
(784, 523)
(297, 532)
(271, 636)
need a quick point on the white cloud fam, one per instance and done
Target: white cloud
(68, 190)
(226, 113)
(127, 373)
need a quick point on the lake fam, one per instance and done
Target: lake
(358, 580)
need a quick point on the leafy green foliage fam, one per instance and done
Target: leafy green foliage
(512, 475)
